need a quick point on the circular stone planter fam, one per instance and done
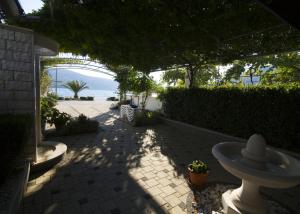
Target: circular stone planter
(49, 154)
(209, 200)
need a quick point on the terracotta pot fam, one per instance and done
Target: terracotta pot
(197, 179)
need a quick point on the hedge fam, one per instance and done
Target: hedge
(273, 112)
(14, 133)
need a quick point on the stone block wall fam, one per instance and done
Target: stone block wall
(17, 77)
(16, 70)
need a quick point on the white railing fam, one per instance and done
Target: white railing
(127, 112)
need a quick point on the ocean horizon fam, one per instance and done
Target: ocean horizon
(97, 94)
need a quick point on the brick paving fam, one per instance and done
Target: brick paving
(123, 169)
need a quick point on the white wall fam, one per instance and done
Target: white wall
(152, 103)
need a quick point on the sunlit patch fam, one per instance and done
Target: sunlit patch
(97, 151)
(51, 208)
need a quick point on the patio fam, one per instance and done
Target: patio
(123, 169)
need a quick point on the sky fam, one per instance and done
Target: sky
(29, 5)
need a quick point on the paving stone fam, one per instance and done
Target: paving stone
(82, 201)
(182, 205)
(136, 173)
(172, 200)
(90, 182)
(168, 190)
(55, 191)
(144, 179)
(115, 211)
(147, 196)
(177, 210)
(119, 173)
(151, 182)
(117, 189)
(172, 185)
(66, 175)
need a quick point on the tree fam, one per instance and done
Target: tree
(158, 34)
(282, 68)
(234, 72)
(45, 81)
(201, 75)
(125, 76)
(45, 78)
(276, 68)
(173, 75)
(76, 86)
(144, 85)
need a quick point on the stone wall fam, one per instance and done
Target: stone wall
(17, 77)
(16, 70)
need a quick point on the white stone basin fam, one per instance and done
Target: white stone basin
(257, 166)
(281, 170)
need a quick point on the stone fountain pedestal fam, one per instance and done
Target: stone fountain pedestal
(257, 166)
(243, 199)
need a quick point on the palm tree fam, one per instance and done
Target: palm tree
(76, 86)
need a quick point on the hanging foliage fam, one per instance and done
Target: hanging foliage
(162, 33)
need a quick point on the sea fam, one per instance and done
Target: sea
(97, 94)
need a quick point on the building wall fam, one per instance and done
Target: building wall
(152, 103)
(16, 70)
(17, 77)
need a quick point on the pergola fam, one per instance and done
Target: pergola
(151, 35)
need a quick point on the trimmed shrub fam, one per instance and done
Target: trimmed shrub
(81, 125)
(15, 131)
(142, 118)
(270, 111)
(59, 119)
(112, 99)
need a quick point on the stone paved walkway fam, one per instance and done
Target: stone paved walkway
(127, 170)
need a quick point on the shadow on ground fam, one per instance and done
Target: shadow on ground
(99, 173)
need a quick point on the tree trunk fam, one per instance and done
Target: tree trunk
(145, 100)
(191, 76)
(76, 95)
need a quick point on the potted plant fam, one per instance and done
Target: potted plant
(198, 172)
(59, 119)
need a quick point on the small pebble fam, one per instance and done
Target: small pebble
(209, 200)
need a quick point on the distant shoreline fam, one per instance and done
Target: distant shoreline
(97, 94)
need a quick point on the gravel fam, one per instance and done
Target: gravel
(209, 200)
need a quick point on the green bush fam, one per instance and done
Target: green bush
(47, 106)
(81, 125)
(59, 119)
(111, 99)
(146, 118)
(14, 134)
(198, 167)
(271, 111)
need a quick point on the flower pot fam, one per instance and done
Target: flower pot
(197, 179)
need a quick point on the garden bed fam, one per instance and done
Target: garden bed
(12, 190)
(209, 200)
